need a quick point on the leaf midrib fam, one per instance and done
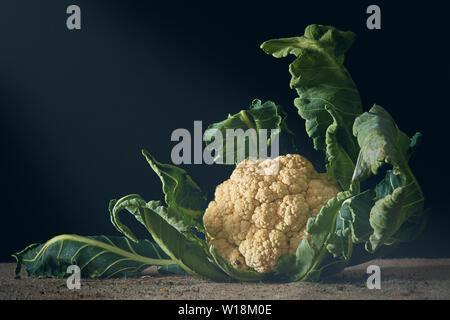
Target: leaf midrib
(99, 244)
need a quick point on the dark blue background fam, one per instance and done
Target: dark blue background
(77, 106)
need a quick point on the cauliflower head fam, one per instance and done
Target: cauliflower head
(258, 215)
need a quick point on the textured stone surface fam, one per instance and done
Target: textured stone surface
(400, 279)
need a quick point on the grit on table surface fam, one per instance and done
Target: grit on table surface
(400, 279)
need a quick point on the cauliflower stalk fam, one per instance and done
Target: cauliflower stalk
(257, 215)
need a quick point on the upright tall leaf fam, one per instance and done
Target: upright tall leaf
(340, 165)
(326, 92)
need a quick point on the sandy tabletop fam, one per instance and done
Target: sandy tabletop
(400, 279)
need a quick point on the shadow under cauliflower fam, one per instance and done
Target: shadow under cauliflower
(260, 213)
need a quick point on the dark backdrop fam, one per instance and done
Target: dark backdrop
(77, 106)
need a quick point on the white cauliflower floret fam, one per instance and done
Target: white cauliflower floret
(263, 249)
(256, 217)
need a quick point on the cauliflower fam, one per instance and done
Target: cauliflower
(257, 217)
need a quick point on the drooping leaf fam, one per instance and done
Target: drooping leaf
(257, 117)
(336, 244)
(390, 182)
(191, 254)
(355, 215)
(399, 197)
(398, 216)
(132, 204)
(416, 140)
(327, 94)
(380, 141)
(181, 192)
(96, 256)
(411, 228)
